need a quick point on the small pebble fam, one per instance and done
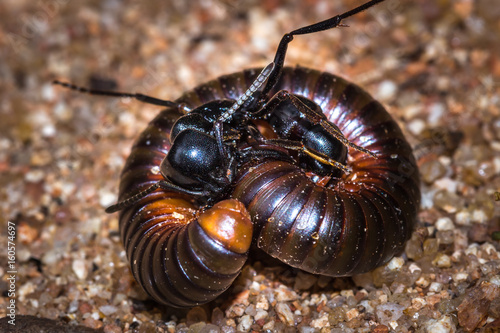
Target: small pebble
(320, 322)
(197, 327)
(442, 325)
(387, 90)
(422, 282)
(442, 260)
(269, 325)
(435, 287)
(284, 313)
(80, 268)
(396, 263)
(107, 310)
(351, 314)
(389, 312)
(245, 323)
(260, 314)
(444, 223)
(460, 277)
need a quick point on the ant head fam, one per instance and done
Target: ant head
(194, 161)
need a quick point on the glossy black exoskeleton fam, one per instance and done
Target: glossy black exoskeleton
(200, 163)
(291, 121)
(195, 162)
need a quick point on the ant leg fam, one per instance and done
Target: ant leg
(330, 23)
(163, 184)
(219, 137)
(319, 119)
(139, 97)
(299, 146)
(265, 152)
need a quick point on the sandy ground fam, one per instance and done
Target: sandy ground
(434, 64)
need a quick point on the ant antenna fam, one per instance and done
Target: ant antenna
(139, 97)
(330, 23)
(259, 81)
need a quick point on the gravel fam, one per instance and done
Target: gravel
(434, 65)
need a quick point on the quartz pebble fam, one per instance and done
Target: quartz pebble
(284, 313)
(442, 325)
(80, 268)
(245, 323)
(389, 312)
(444, 223)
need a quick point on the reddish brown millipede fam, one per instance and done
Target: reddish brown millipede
(334, 191)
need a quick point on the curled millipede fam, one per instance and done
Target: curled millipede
(352, 225)
(302, 164)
